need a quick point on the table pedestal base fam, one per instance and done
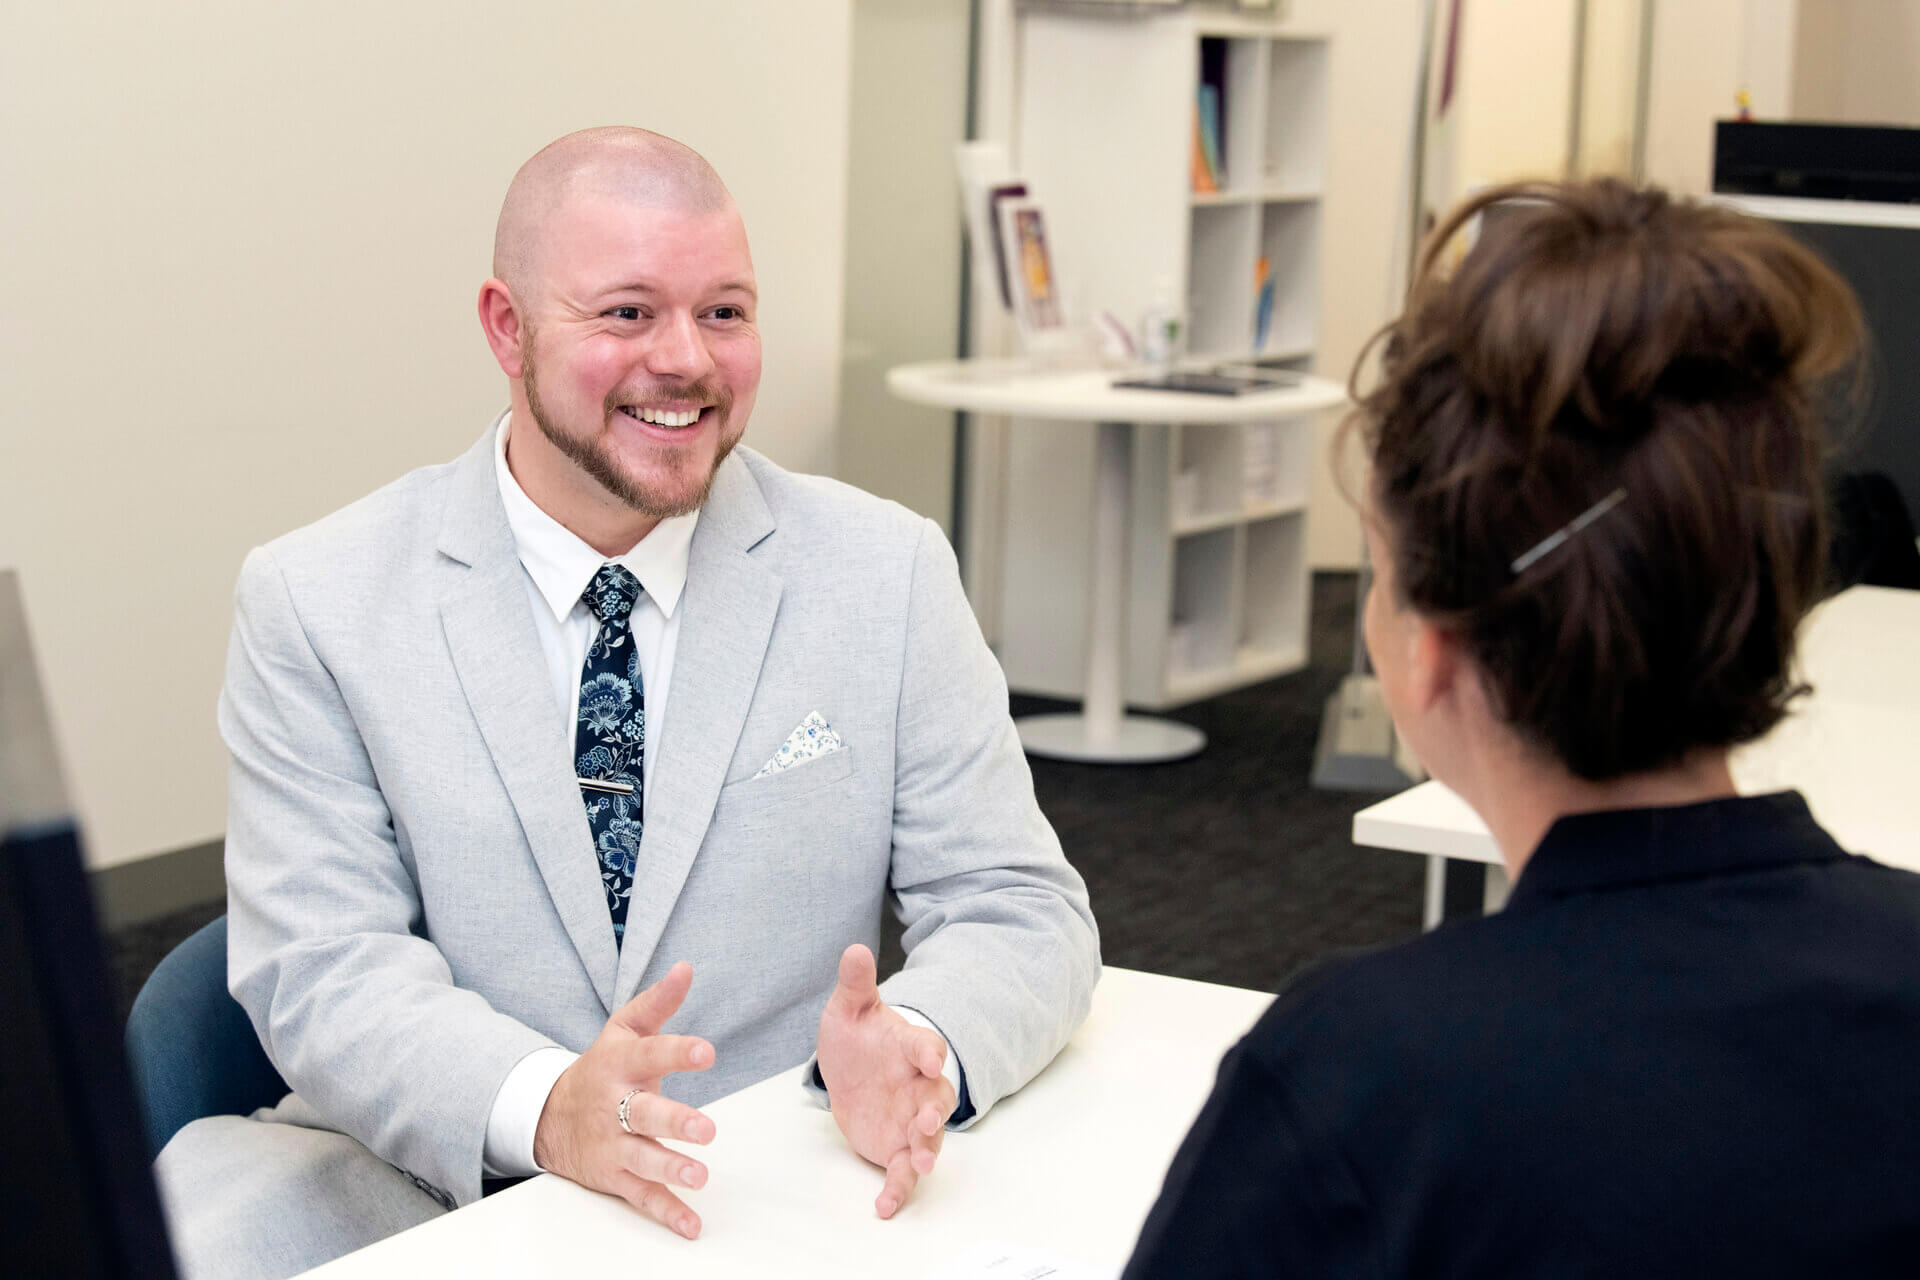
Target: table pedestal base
(1140, 740)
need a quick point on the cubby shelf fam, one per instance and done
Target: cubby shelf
(1228, 519)
(1218, 572)
(1266, 195)
(1249, 667)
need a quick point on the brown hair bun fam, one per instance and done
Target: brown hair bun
(1596, 338)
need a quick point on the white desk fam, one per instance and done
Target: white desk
(1070, 1164)
(1849, 747)
(1101, 732)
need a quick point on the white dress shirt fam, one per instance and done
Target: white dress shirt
(559, 569)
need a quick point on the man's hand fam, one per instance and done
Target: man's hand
(579, 1136)
(883, 1078)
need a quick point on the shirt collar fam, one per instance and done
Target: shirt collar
(562, 565)
(1616, 848)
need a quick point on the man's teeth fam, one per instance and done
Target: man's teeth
(661, 418)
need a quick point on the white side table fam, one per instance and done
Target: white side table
(1842, 747)
(1101, 732)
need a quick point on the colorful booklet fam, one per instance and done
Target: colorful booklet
(1201, 175)
(1210, 134)
(1036, 291)
(995, 195)
(1263, 306)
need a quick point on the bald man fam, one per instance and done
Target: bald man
(570, 780)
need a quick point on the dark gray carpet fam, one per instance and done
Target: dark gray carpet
(1227, 867)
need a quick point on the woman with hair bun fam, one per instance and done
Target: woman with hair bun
(1690, 1044)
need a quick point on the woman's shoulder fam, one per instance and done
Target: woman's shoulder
(1421, 1001)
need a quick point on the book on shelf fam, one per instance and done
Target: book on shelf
(1201, 173)
(1210, 134)
(1210, 119)
(1213, 73)
(1263, 306)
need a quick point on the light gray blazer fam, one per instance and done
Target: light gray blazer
(414, 896)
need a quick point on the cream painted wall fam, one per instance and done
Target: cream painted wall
(908, 111)
(1767, 37)
(1858, 61)
(244, 242)
(1698, 68)
(1370, 84)
(1516, 90)
(1820, 64)
(1609, 88)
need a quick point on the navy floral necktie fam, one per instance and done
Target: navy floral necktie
(611, 738)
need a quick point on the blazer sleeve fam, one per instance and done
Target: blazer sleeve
(324, 944)
(1002, 951)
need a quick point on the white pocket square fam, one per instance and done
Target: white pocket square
(811, 739)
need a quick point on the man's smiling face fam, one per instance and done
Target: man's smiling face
(640, 346)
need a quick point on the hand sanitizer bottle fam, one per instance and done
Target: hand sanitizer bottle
(1160, 327)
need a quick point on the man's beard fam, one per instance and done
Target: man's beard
(596, 459)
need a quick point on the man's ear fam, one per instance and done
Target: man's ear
(500, 321)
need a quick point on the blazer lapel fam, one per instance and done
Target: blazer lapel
(728, 611)
(496, 653)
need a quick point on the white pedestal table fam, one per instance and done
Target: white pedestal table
(1101, 731)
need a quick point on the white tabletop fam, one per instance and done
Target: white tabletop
(1848, 747)
(1028, 390)
(1070, 1164)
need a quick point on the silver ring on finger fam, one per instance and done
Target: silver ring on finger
(625, 1116)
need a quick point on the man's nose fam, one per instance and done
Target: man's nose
(679, 349)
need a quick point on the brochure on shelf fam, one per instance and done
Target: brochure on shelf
(984, 169)
(1036, 289)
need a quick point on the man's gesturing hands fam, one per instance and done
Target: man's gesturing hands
(882, 1074)
(579, 1135)
(883, 1078)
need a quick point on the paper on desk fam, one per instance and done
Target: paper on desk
(998, 1260)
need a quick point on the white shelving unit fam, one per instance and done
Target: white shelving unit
(1218, 576)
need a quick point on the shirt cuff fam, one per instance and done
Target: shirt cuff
(516, 1112)
(955, 1076)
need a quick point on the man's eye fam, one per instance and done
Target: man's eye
(625, 313)
(728, 313)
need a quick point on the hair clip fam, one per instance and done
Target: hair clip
(1552, 541)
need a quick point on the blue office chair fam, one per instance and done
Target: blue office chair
(190, 1046)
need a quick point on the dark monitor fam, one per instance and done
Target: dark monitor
(1817, 161)
(1882, 263)
(79, 1197)
(1872, 238)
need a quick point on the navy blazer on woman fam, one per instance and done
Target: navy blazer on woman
(1689, 1046)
